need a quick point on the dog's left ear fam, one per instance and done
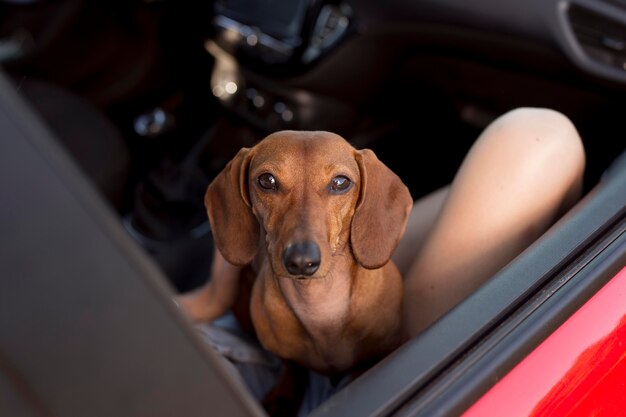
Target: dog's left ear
(234, 227)
(381, 213)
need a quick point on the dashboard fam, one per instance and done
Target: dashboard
(331, 64)
(591, 33)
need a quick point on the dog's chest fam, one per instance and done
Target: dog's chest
(318, 324)
(321, 305)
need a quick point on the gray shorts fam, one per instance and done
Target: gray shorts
(258, 368)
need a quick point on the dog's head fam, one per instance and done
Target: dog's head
(305, 198)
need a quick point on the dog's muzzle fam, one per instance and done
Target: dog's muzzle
(302, 259)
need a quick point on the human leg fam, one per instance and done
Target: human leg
(419, 226)
(521, 174)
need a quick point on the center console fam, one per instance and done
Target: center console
(252, 42)
(280, 31)
(256, 40)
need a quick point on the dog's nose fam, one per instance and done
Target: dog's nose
(302, 259)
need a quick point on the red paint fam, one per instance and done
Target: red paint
(579, 370)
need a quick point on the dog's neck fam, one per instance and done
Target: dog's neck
(326, 323)
(323, 304)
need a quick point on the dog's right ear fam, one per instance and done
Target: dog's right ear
(234, 226)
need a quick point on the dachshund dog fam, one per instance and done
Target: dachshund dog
(315, 221)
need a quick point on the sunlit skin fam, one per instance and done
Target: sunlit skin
(522, 173)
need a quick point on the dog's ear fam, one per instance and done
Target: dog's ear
(234, 226)
(381, 213)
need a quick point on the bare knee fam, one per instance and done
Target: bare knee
(553, 131)
(550, 159)
(521, 174)
(532, 158)
(545, 139)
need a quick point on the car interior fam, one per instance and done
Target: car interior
(117, 115)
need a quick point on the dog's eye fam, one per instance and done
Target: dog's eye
(267, 181)
(340, 183)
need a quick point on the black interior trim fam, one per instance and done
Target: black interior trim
(87, 322)
(576, 18)
(498, 353)
(543, 22)
(410, 369)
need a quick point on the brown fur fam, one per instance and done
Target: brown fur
(347, 313)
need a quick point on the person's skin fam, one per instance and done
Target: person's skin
(523, 172)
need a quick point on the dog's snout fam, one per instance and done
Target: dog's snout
(302, 259)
